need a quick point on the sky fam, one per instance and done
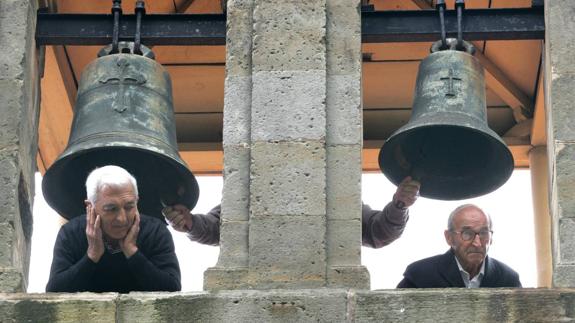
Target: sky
(510, 208)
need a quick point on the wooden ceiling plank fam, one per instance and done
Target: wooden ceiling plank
(519, 60)
(197, 88)
(539, 130)
(204, 162)
(55, 112)
(510, 93)
(203, 158)
(91, 6)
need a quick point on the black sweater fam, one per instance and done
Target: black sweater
(154, 267)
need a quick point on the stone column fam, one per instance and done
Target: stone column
(560, 82)
(292, 146)
(19, 102)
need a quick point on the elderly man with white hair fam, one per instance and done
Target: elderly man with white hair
(113, 248)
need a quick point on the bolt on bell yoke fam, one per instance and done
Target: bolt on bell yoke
(123, 116)
(447, 145)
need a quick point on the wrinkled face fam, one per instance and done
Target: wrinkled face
(117, 207)
(470, 253)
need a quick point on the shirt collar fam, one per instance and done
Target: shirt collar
(471, 281)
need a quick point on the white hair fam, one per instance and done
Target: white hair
(108, 176)
(451, 226)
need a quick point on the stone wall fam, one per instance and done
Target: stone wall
(19, 102)
(319, 305)
(559, 97)
(292, 147)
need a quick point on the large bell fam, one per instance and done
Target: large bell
(447, 145)
(123, 116)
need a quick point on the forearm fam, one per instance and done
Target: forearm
(151, 277)
(380, 228)
(206, 227)
(71, 279)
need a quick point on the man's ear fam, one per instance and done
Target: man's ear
(448, 237)
(87, 203)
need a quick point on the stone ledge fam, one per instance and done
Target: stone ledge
(312, 305)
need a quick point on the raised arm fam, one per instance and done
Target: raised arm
(380, 228)
(202, 228)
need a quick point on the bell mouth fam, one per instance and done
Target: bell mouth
(162, 179)
(452, 162)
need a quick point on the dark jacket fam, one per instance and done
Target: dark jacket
(442, 271)
(154, 267)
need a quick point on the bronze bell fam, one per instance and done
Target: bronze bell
(447, 145)
(123, 116)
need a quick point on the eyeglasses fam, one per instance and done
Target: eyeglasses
(468, 235)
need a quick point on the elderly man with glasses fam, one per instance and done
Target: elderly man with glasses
(466, 264)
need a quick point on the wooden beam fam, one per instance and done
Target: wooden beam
(55, 112)
(184, 6)
(203, 158)
(510, 93)
(201, 6)
(40, 164)
(65, 68)
(539, 130)
(422, 4)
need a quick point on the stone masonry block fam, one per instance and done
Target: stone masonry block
(233, 244)
(288, 178)
(15, 25)
(289, 35)
(235, 306)
(464, 305)
(562, 98)
(237, 110)
(567, 242)
(81, 307)
(356, 277)
(560, 35)
(288, 105)
(226, 278)
(11, 97)
(564, 276)
(344, 111)
(344, 242)
(344, 182)
(9, 176)
(236, 191)
(7, 244)
(564, 179)
(343, 37)
(239, 37)
(288, 251)
(12, 280)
